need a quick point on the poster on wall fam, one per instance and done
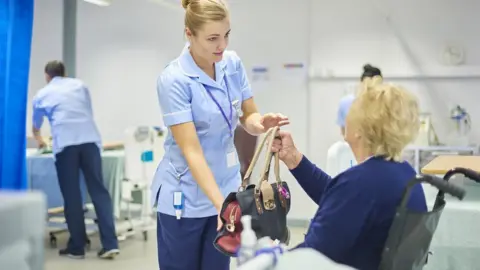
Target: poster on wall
(260, 73)
(294, 69)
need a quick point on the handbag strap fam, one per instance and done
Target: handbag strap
(248, 173)
(264, 187)
(269, 156)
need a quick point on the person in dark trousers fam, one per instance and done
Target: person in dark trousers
(76, 146)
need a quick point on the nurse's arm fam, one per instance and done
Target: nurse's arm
(186, 138)
(339, 220)
(311, 178)
(251, 117)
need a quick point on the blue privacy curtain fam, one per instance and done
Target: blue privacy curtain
(16, 21)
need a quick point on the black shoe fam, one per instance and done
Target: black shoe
(108, 254)
(66, 252)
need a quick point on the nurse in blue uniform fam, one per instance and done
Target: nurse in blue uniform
(202, 94)
(369, 71)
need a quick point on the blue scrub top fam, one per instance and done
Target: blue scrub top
(67, 104)
(183, 96)
(343, 108)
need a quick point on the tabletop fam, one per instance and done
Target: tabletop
(442, 164)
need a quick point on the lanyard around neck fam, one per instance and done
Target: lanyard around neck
(229, 120)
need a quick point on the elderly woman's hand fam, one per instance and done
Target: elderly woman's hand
(287, 152)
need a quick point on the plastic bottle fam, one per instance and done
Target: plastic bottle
(248, 240)
(339, 158)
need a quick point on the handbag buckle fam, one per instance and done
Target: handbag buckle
(230, 227)
(269, 205)
(268, 196)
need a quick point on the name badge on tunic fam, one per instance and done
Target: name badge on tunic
(238, 107)
(232, 159)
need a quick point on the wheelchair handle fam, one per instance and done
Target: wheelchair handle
(471, 174)
(443, 185)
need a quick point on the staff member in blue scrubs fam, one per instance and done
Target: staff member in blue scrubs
(203, 93)
(76, 145)
(357, 207)
(369, 71)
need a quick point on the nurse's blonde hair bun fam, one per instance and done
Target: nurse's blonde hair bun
(186, 3)
(199, 12)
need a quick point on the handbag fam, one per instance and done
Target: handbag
(267, 203)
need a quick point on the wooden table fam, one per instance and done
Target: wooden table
(442, 164)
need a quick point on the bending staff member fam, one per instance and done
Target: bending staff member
(76, 145)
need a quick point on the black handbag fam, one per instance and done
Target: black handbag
(267, 203)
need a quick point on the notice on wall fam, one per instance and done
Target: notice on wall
(294, 69)
(260, 73)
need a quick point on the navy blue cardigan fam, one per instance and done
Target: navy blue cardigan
(356, 208)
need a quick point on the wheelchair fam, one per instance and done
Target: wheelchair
(409, 238)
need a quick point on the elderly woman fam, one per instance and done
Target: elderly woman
(356, 208)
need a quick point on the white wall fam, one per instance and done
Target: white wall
(346, 34)
(46, 46)
(122, 49)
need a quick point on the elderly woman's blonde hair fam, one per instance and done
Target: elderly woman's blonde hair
(386, 116)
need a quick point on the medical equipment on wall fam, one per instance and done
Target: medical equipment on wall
(426, 133)
(141, 149)
(461, 126)
(339, 158)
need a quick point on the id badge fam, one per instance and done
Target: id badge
(238, 107)
(232, 158)
(178, 200)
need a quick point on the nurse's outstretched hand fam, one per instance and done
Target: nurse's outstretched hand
(270, 120)
(287, 151)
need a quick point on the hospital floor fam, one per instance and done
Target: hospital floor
(136, 254)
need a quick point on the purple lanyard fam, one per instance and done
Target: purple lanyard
(229, 122)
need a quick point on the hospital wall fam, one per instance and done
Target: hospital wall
(121, 50)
